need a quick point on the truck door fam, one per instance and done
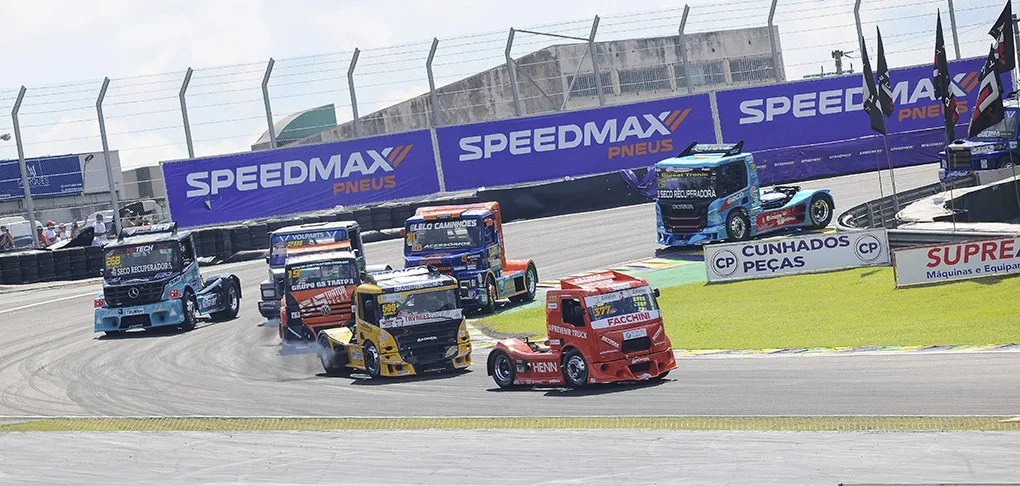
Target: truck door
(492, 243)
(572, 313)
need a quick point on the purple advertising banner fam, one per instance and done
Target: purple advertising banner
(573, 143)
(300, 179)
(830, 109)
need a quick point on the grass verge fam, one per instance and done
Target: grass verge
(268, 424)
(859, 307)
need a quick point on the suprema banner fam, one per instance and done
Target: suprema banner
(300, 179)
(957, 261)
(792, 255)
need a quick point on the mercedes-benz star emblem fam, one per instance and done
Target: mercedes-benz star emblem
(133, 292)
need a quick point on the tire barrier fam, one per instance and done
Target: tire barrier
(62, 264)
(10, 269)
(94, 261)
(29, 262)
(79, 263)
(47, 267)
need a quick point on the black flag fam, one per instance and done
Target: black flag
(884, 83)
(1002, 31)
(871, 94)
(942, 84)
(988, 109)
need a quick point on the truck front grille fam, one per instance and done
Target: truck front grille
(139, 320)
(635, 345)
(959, 159)
(684, 216)
(416, 343)
(130, 295)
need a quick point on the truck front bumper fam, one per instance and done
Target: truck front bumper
(270, 309)
(165, 313)
(950, 174)
(636, 368)
(707, 235)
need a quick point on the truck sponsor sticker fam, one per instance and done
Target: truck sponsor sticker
(958, 261)
(625, 319)
(635, 333)
(566, 331)
(412, 319)
(545, 367)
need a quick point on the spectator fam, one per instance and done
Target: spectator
(62, 233)
(6, 239)
(42, 236)
(49, 233)
(75, 230)
(100, 230)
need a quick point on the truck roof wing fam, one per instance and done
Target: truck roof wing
(409, 278)
(724, 149)
(335, 246)
(168, 228)
(611, 280)
(453, 211)
(303, 228)
(319, 256)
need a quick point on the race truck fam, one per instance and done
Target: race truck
(409, 322)
(993, 148)
(151, 279)
(711, 193)
(303, 236)
(319, 283)
(604, 327)
(466, 242)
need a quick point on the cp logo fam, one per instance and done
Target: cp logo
(724, 263)
(868, 248)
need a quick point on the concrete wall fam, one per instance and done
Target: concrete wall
(633, 70)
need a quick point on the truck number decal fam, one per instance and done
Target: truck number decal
(601, 310)
(293, 273)
(113, 261)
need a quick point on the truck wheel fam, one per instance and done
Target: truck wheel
(489, 301)
(738, 227)
(530, 283)
(190, 312)
(820, 211)
(327, 356)
(575, 369)
(1006, 162)
(233, 304)
(372, 360)
(503, 371)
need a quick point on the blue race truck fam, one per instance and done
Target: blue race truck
(466, 242)
(711, 193)
(993, 148)
(151, 279)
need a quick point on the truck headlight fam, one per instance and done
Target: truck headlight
(268, 293)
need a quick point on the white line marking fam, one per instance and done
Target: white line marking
(46, 302)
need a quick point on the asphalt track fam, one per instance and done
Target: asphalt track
(51, 363)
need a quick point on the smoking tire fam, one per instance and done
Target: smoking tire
(372, 366)
(502, 371)
(575, 369)
(328, 357)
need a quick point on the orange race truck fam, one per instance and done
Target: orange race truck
(603, 327)
(318, 290)
(466, 242)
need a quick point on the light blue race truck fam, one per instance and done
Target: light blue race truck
(151, 279)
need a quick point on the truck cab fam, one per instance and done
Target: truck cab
(151, 279)
(408, 322)
(318, 291)
(993, 148)
(604, 327)
(466, 242)
(711, 193)
(289, 238)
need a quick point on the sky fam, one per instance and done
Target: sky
(62, 49)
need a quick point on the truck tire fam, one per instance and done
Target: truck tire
(190, 307)
(820, 211)
(328, 358)
(502, 371)
(1006, 161)
(489, 301)
(233, 303)
(738, 226)
(530, 283)
(372, 360)
(575, 369)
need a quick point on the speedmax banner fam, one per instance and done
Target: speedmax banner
(300, 179)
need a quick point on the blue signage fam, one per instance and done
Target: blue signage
(47, 177)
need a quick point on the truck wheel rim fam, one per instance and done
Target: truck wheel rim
(502, 369)
(737, 228)
(190, 306)
(234, 301)
(820, 210)
(531, 281)
(373, 361)
(576, 368)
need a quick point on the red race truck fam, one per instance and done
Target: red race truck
(602, 328)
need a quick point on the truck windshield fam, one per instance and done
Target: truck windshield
(1004, 130)
(443, 235)
(279, 243)
(621, 307)
(139, 261)
(320, 275)
(686, 183)
(403, 309)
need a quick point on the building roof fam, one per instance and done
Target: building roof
(296, 126)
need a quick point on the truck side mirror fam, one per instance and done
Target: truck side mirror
(403, 232)
(655, 292)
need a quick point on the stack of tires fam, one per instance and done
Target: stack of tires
(62, 264)
(205, 245)
(94, 261)
(400, 213)
(343, 215)
(240, 238)
(382, 217)
(10, 269)
(224, 247)
(47, 269)
(79, 263)
(30, 267)
(259, 235)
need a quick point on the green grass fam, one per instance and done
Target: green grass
(858, 307)
(267, 424)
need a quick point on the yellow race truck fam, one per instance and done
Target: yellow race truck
(407, 322)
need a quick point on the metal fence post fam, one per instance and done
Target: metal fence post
(184, 115)
(115, 220)
(772, 41)
(952, 25)
(683, 51)
(265, 98)
(860, 32)
(595, 61)
(354, 96)
(511, 69)
(436, 121)
(29, 205)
